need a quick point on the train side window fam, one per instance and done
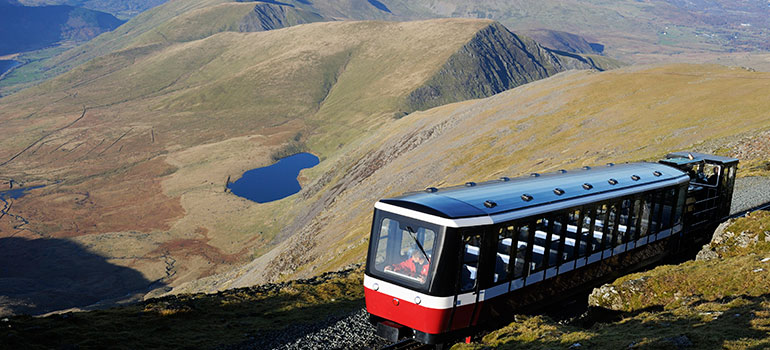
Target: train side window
(613, 215)
(680, 198)
(669, 201)
(600, 226)
(657, 211)
(506, 238)
(558, 239)
(522, 262)
(573, 233)
(591, 237)
(471, 252)
(645, 216)
(626, 225)
(540, 247)
(608, 219)
(710, 174)
(633, 222)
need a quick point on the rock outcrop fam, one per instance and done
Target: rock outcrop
(495, 60)
(267, 16)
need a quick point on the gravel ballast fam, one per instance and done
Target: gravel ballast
(750, 192)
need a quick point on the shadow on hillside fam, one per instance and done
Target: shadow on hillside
(43, 275)
(709, 325)
(245, 318)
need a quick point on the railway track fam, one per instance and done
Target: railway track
(765, 206)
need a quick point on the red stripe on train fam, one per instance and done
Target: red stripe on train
(407, 313)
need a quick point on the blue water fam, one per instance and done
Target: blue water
(7, 65)
(17, 193)
(273, 182)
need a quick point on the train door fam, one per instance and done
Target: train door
(473, 276)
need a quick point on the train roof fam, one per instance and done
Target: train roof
(507, 195)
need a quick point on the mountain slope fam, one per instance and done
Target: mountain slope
(39, 70)
(175, 21)
(564, 41)
(121, 8)
(494, 61)
(566, 121)
(136, 146)
(227, 17)
(633, 31)
(25, 28)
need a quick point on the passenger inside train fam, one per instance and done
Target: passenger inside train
(416, 265)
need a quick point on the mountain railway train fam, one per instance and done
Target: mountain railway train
(445, 262)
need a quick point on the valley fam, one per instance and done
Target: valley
(136, 146)
(127, 146)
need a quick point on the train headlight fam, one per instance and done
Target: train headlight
(417, 300)
(376, 286)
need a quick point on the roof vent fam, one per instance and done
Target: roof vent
(534, 175)
(610, 164)
(635, 177)
(586, 167)
(490, 204)
(657, 173)
(558, 191)
(562, 171)
(612, 181)
(587, 186)
(505, 179)
(431, 190)
(525, 197)
(470, 184)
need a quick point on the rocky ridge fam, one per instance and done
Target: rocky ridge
(493, 61)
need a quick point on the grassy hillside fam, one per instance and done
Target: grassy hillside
(27, 28)
(123, 9)
(50, 65)
(628, 28)
(566, 121)
(135, 147)
(720, 303)
(226, 17)
(632, 31)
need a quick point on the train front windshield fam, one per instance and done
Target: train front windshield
(401, 249)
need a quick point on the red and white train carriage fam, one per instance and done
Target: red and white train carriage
(496, 248)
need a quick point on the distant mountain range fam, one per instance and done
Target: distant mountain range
(628, 30)
(26, 28)
(123, 9)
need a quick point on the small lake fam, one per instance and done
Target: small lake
(7, 65)
(17, 192)
(273, 182)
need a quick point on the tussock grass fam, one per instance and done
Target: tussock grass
(739, 323)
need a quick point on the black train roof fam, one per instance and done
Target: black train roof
(506, 195)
